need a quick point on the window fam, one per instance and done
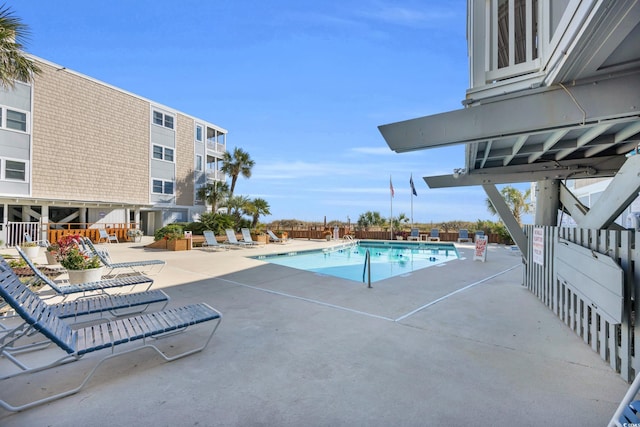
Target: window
(160, 186)
(161, 119)
(15, 170)
(157, 152)
(198, 162)
(163, 153)
(12, 119)
(198, 133)
(516, 27)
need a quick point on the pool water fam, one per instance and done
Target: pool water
(388, 259)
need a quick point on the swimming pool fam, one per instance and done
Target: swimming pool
(388, 258)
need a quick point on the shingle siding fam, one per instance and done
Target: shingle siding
(185, 158)
(90, 141)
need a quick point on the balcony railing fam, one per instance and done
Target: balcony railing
(216, 146)
(215, 175)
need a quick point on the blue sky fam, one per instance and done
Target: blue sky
(300, 85)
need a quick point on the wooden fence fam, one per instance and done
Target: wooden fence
(15, 231)
(613, 341)
(319, 233)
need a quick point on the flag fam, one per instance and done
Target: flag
(413, 189)
(391, 187)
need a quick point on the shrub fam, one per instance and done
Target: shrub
(169, 232)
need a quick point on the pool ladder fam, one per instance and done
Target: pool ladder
(367, 268)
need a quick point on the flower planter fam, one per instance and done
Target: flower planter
(262, 238)
(178, 245)
(85, 276)
(31, 251)
(51, 258)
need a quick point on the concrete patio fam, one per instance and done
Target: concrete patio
(460, 344)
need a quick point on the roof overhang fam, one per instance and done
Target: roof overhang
(545, 132)
(22, 200)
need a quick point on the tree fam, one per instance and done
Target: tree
(235, 164)
(237, 206)
(400, 221)
(256, 208)
(216, 222)
(14, 65)
(213, 194)
(370, 219)
(516, 201)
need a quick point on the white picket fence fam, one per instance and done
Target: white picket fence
(614, 342)
(15, 232)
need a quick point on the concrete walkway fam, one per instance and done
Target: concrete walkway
(460, 344)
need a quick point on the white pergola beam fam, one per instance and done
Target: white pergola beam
(621, 191)
(515, 230)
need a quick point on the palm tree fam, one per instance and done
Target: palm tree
(14, 65)
(516, 200)
(370, 219)
(213, 194)
(235, 164)
(256, 208)
(237, 206)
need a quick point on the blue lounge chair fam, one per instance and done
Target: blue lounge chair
(463, 234)
(72, 344)
(628, 412)
(210, 241)
(414, 235)
(435, 235)
(68, 289)
(138, 267)
(41, 243)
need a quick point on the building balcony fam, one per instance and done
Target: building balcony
(216, 147)
(215, 175)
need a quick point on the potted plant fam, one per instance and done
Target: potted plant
(135, 234)
(52, 253)
(82, 268)
(31, 249)
(176, 241)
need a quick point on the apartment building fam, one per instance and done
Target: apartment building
(77, 150)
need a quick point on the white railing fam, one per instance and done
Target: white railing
(216, 146)
(15, 232)
(215, 175)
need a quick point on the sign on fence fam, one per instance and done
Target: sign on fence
(480, 252)
(538, 246)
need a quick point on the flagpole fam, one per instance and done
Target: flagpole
(391, 204)
(411, 182)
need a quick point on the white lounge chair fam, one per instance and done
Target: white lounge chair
(275, 238)
(232, 240)
(435, 235)
(103, 235)
(210, 241)
(246, 237)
